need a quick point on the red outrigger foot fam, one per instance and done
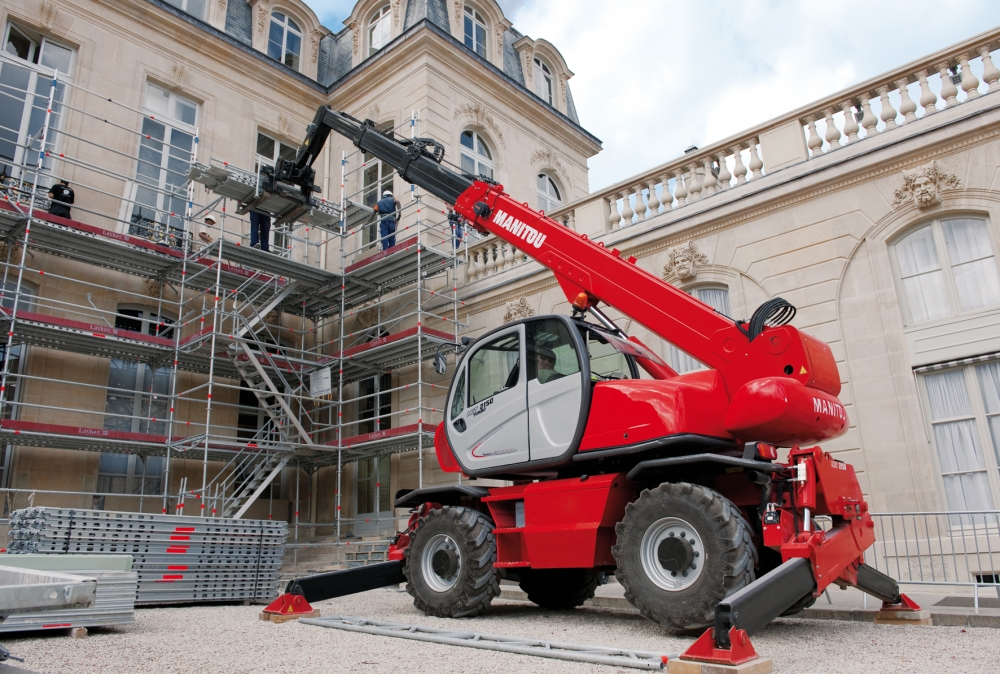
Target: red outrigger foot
(905, 604)
(288, 607)
(704, 649)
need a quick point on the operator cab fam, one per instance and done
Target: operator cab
(521, 395)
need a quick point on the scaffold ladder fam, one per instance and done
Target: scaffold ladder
(598, 655)
(255, 486)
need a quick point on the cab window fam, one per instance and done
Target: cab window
(606, 362)
(551, 353)
(458, 402)
(494, 367)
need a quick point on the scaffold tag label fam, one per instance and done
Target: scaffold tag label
(319, 382)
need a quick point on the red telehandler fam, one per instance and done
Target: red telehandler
(671, 481)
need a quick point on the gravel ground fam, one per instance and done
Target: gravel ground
(232, 639)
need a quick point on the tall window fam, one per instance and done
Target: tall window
(716, 297)
(25, 79)
(380, 30)
(371, 471)
(375, 404)
(549, 198)
(476, 156)
(129, 474)
(284, 42)
(543, 81)
(947, 268)
(475, 31)
(15, 368)
(195, 8)
(964, 416)
(269, 149)
(138, 395)
(165, 148)
(377, 177)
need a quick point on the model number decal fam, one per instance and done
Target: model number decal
(476, 410)
(529, 234)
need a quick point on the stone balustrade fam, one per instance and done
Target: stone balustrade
(902, 96)
(491, 256)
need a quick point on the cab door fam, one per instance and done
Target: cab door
(487, 421)
(556, 395)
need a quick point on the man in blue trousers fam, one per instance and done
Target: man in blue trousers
(388, 208)
(260, 230)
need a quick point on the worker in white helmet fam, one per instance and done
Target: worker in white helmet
(388, 208)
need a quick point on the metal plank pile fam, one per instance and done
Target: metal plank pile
(178, 559)
(113, 601)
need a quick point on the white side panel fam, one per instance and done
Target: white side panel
(497, 431)
(554, 410)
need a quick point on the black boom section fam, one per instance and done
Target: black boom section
(350, 581)
(877, 584)
(409, 160)
(763, 600)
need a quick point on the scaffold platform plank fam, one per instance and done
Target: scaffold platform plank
(390, 441)
(394, 351)
(392, 269)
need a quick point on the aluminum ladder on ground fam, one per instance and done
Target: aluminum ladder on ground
(600, 655)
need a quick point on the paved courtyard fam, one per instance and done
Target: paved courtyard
(232, 639)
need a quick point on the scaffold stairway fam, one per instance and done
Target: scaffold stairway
(264, 474)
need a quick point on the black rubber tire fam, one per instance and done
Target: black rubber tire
(729, 559)
(771, 560)
(478, 581)
(559, 589)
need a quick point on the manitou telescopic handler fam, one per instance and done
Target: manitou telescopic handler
(671, 481)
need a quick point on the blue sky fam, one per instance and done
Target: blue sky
(654, 77)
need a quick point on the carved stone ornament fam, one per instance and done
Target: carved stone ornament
(682, 260)
(548, 158)
(151, 288)
(500, 44)
(529, 65)
(517, 310)
(923, 185)
(367, 318)
(481, 116)
(373, 111)
(356, 37)
(459, 8)
(48, 13)
(395, 13)
(263, 13)
(316, 36)
(223, 6)
(179, 72)
(283, 122)
(273, 318)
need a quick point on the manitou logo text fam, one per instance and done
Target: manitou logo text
(529, 234)
(827, 407)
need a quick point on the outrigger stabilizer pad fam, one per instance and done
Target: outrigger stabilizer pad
(705, 650)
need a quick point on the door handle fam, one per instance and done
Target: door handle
(459, 425)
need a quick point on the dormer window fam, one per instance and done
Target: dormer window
(475, 31)
(380, 29)
(284, 42)
(543, 81)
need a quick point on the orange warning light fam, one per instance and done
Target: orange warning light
(581, 302)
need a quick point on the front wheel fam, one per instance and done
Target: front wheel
(449, 563)
(681, 549)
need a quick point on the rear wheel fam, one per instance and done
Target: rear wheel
(681, 549)
(559, 589)
(449, 563)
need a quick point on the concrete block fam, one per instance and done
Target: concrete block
(78, 632)
(984, 621)
(950, 619)
(758, 666)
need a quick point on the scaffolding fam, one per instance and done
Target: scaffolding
(192, 323)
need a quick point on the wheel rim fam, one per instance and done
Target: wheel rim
(672, 554)
(441, 563)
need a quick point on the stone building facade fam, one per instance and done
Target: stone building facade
(874, 211)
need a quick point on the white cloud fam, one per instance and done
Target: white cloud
(653, 78)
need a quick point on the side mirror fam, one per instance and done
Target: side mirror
(440, 362)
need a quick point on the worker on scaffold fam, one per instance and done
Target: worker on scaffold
(388, 208)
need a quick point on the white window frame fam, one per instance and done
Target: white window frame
(944, 261)
(381, 21)
(288, 26)
(991, 462)
(184, 6)
(472, 15)
(679, 360)
(480, 160)
(38, 75)
(543, 81)
(546, 201)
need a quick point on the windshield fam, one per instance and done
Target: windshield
(609, 356)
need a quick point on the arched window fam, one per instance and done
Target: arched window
(284, 42)
(945, 268)
(380, 29)
(716, 297)
(476, 156)
(475, 31)
(543, 81)
(549, 198)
